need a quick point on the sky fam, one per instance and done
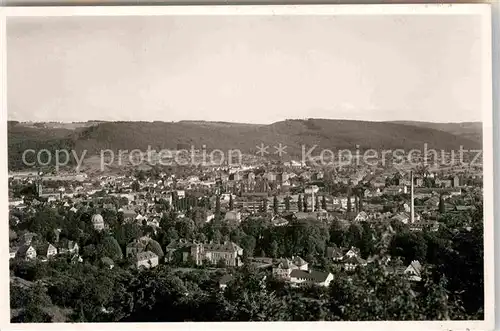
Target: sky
(252, 69)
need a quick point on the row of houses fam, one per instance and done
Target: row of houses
(351, 259)
(43, 250)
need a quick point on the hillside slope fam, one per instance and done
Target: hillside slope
(469, 130)
(331, 134)
(326, 134)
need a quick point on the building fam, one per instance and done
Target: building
(310, 277)
(135, 247)
(414, 271)
(334, 253)
(146, 259)
(98, 222)
(199, 253)
(395, 190)
(283, 268)
(279, 221)
(68, 246)
(209, 217)
(352, 262)
(228, 252)
(26, 252)
(46, 250)
(361, 217)
(12, 252)
(233, 216)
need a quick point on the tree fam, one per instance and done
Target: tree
(287, 203)
(354, 235)
(410, 246)
(216, 236)
(304, 203)
(217, 207)
(128, 232)
(300, 203)
(135, 186)
(316, 203)
(275, 204)
(264, 205)
(33, 300)
(323, 202)
(185, 228)
(155, 247)
(442, 208)
(109, 247)
(390, 297)
(231, 202)
(337, 234)
(248, 244)
(275, 249)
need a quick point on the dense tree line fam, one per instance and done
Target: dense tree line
(452, 256)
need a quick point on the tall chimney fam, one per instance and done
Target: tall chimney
(412, 206)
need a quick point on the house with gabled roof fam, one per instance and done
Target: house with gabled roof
(284, 266)
(67, 246)
(46, 250)
(362, 216)
(26, 252)
(334, 253)
(414, 271)
(310, 277)
(352, 262)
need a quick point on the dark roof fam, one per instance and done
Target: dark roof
(23, 249)
(312, 276)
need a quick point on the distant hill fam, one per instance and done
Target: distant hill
(326, 133)
(469, 130)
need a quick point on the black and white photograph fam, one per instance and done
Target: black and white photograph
(249, 163)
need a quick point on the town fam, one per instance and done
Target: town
(213, 237)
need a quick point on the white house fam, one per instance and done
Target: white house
(233, 216)
(361, 217)
(414, 271)
(310, 277)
